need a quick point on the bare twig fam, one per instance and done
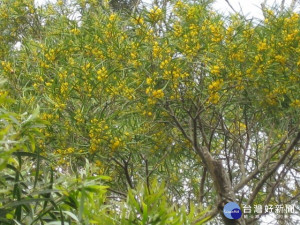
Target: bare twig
(171, 113)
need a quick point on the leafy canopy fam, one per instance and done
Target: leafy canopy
(139, 98)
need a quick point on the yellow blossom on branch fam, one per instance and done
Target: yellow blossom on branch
(158, 93)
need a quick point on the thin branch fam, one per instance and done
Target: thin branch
(117, 192)
(231, 6)
(171, 113)
(147, 176)
(262, 164)
(125, 168)
(273, 169)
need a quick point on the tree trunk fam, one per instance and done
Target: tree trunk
(222, 184)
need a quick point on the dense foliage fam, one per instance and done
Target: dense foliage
(159, 117)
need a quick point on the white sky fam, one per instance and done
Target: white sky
(251, 8)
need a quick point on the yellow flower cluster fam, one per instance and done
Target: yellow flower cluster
(60, 106)
(179, 5)
(215, 29)
(128, 92)
(85, 68)
(50, 55)
(156, 50)
(78, 116)
(44, 65)
(62, 75)
(177, 29)
(155, 14)
(191, 13)
(215, 70)
(280, 58)
(145, 113)
(64, 89)
(138, 21)
(7, 66)
(261, 46)
(115, 143)
(49, 117)
(133, 52)
(165, 63)
(239, 56)
(97, 134)
(67, 151)
(102, 74)
(216, 85)
(158, 93)
(242, 126)
(274, 96)
(98, 163)
(271, 99)
(112, 17)
(149, 81)
(75, 31)
(295, 103)
(98, 53)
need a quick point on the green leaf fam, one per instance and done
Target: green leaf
(95, 188)
(24, 202)
(145, 213)
(72, 215)
(132, 201)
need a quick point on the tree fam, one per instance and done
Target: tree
(176, 94)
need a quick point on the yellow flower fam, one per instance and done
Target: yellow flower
(148, 80)
(214, 98)
(215, 70)
(102, 74)
(138, 20)
(44, 65)
(115, 144)
(177, 29)
(216, 85)
(98, 163)
(112, 17)
(242, 126)
(7, 66)
(156, 50)
(295, 103)
(281, 59)
(75, 31)
(158, 93)
(155, 14)
(148, 90)
(262, 46)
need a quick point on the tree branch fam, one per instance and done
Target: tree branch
(273, 169)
